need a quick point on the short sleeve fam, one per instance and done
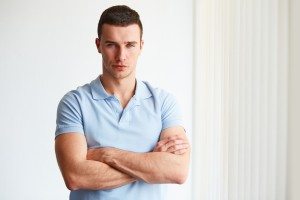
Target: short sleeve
(69, 118)
(171, 114)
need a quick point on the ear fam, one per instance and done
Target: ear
(97, 42)
(142, 44)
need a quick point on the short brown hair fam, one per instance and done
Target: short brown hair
(119, 15)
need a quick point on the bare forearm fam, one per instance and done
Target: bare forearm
(95, 175)
(81, 173)
(152, 167)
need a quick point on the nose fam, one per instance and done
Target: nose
(121, 56)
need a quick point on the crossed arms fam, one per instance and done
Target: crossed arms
(107, 168)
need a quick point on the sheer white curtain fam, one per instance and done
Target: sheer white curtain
(240, 88)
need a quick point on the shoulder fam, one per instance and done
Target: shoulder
(78, 94)
(75, 100)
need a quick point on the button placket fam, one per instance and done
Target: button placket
(126, 116)
(115, 106)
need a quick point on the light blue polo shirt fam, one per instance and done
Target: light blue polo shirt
(91, 111)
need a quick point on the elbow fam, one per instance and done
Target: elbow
(180, 177)
(182, 172)
(71, 186)
(71, 182)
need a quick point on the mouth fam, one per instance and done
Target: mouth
(119, 67)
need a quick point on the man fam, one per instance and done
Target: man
(118, 137)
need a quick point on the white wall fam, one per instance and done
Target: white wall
(47, 48)
(293, 165)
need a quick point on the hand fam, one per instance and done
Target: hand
(173, 144)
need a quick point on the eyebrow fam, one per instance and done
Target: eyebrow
(109, 42)
(129, 42)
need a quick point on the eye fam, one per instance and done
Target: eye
(110, 44)
(130, 45)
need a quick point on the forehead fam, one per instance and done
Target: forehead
(120, 33)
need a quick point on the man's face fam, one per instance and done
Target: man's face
(120, 48)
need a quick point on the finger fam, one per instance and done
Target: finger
(161, 146)
(173, 137)
(175, 142)
(162, 142)
(177, 147)
(165, 141)
(180, 151)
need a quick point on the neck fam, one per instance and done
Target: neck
(123, 89)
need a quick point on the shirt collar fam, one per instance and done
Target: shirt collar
(99, 93)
